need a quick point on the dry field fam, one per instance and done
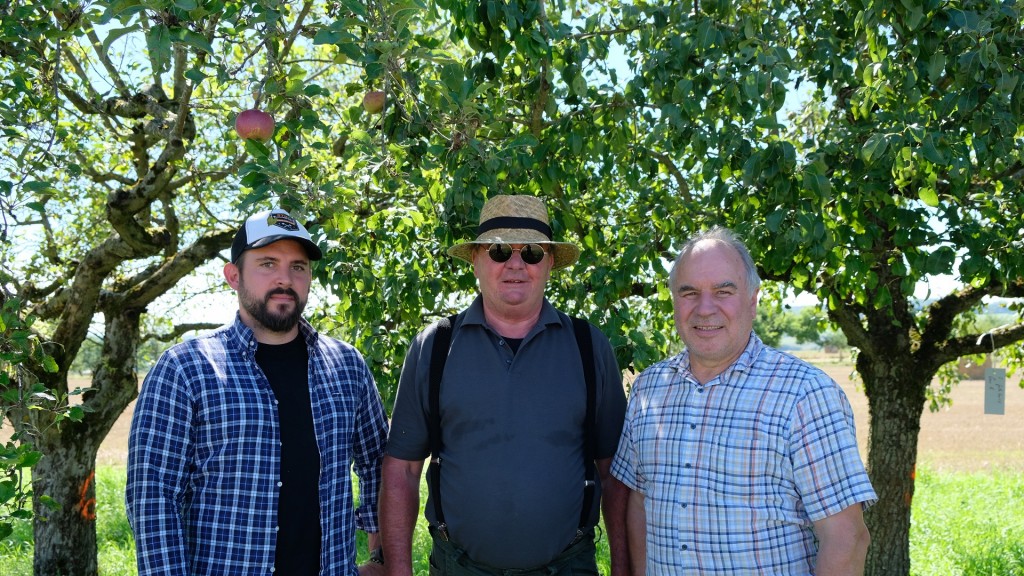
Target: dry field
(961, 438)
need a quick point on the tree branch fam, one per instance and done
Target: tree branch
(611, 32)
(979, 343)
(174, 269)
(684, 188)
(848, 317)
(180, 330)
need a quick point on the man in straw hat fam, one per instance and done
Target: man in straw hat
(514, 444)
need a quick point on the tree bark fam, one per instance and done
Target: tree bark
(65, 539)
(895, 410)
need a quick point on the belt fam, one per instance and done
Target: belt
(578, 545)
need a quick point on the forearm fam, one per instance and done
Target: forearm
(613, 506)
(636, 532)
(399, 506)
(373, 541)
(843, 541)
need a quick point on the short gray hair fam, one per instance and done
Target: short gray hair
(725, 236)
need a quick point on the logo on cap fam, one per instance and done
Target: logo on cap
(282, 220)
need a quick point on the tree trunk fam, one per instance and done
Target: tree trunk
(895, 409)
(65, 538)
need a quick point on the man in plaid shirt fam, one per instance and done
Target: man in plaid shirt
(740, 459)
(243, 441)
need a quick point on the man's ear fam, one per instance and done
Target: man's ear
(231, 275)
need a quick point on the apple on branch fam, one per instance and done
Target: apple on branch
(373, 101)
(254, 124)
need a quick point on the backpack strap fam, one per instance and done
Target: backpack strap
(438, 358)
(583, 340)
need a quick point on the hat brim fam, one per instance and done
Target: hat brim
(565, 253)
(312, 250)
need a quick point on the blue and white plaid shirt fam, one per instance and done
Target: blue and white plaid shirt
(734, 472)
(204, 456)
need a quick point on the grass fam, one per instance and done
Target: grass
(964, 524)
(968, 524)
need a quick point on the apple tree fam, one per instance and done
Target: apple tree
(121, 178)
(860, 148)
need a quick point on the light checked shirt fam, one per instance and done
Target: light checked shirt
(734, 472)
(204, 456)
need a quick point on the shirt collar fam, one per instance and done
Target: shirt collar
(742, 364)
(244, 335)
(475, 314)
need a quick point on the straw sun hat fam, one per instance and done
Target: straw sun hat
(516, 220)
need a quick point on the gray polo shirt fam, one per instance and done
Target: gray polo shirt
(512, 430)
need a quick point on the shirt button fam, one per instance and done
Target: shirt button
(685, 547)
(280, 483)
(693, 426)
(684, 505)
(688, 465)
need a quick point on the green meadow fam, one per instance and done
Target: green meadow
(964, 524)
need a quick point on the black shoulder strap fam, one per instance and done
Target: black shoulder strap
(586, 346)
(438, 358)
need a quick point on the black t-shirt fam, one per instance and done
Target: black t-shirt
(298, 510)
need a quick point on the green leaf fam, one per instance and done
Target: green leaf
(50, 365)
(928, 196)
(158, 41)
(197, 41)
(327, 36)
(931, 153)
(936, 66)
(357, 7)
(768, 123)
(38, 186)
(118, 33)
(196, 76)
(7, 491)
(30, 458)
(49, 502)
(875, 147)
(76, 413)
(706, 34)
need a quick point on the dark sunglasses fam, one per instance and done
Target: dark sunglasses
(530, 253)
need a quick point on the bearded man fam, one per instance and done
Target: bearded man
(242, 441)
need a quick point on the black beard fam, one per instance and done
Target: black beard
(273, 322)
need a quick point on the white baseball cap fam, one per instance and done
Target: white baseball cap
(269, 226)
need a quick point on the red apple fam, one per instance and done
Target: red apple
(255, 124)
(373, 101)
